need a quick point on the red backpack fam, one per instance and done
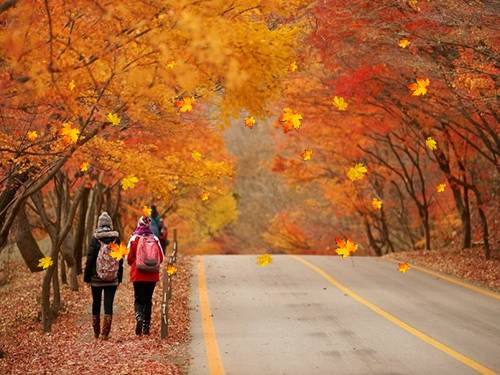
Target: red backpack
(106, 266)
(148, 256)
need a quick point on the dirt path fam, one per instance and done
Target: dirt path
(71, 348)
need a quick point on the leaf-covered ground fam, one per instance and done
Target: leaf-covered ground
(469, 264)
(71, 347)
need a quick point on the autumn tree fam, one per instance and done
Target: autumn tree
(413, 93)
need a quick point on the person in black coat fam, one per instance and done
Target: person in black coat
(103, 234)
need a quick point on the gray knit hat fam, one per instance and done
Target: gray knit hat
(104, 222)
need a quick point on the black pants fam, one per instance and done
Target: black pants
(143, 291)
(109, 296)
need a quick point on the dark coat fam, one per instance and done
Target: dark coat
(90, 273)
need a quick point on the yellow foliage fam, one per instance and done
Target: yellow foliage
(339, 103)
(357, 172)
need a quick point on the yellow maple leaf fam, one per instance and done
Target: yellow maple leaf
(32, 135)
(264, 259)
(440, 187)
(345, 248)
(70, 135)
(171, 270)
(293, 67)
(129, 182)
(339, 103)
(185, 104)
(146, 211)
(404, 43)
(205, 195)
(171, 64)
(431, 143)
(307, 155)
(377, 203)
(118, 252)
(113, 118)
(357, 172)
(403, 267)
(196, 155)
(413, 4)
(45, 262)
(250, 122)
(84, 167)
(419, 87)
(291, 119)
(71, 85)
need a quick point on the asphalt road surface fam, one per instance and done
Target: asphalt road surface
(326, 315)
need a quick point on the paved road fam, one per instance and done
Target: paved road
(325, 315)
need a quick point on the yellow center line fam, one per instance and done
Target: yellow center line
(422, 336)
(215, 366)
(452, 280)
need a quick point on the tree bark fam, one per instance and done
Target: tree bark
(26, 243)
(79, 233)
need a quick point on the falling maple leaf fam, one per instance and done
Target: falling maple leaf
(440, 187)
(71, 85)
(404, 43)
(171, 270)
(146, 211)
(129, 182)
(196, 155)
(84, 167)
(419, 87)
(307, 155)
(118, 252)
(431, 143)
(185, 104)
(205, 195)
(339, 103)
(357, 172)
(70, 135)
(377, 203)
(264, 259)
(403, 267)
(32, 135)
(171, 65)
(413, 4)
(250, 122)
(345, 248)
(291, 120)
(45, 262)
(113, 118)
(293, 67)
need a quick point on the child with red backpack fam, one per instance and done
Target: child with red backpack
(103, 273)
(144, 257)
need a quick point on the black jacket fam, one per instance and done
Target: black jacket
(90, 267)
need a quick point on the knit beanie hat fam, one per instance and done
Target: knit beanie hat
(104, 222)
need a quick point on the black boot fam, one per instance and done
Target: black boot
(139, 318)
(147, 319)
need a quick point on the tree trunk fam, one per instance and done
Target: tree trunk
(484, 222)
(46, 314)
(28, 246)
(427, 231)
(64, 278)
(56, 303)
(466, 224)
(371, 239)
(79, 233)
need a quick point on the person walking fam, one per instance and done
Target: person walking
(103, 273)
(158, 227)
(144, 257)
